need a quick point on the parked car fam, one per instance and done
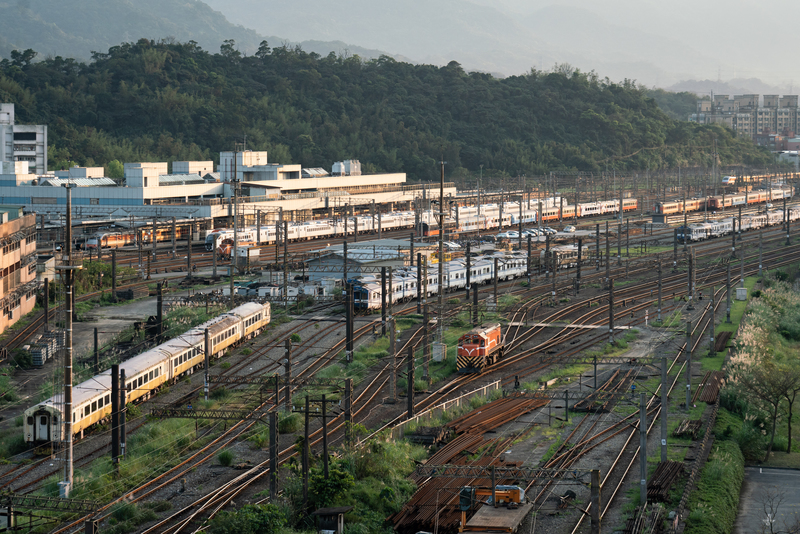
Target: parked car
(508, 235)
(451, 246)
(531, 232)
(548, 230)
(569, 228)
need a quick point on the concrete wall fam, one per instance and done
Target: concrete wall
(192, 167)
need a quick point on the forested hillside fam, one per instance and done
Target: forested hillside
(164, 100)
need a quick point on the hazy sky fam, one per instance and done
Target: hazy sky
(655, 42)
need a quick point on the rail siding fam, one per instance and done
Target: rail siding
(398, 431)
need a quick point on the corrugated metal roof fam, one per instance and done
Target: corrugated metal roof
(79, 182)
(314, 172)
(180, 179)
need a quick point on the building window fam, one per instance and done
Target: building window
(24, 136)
(94, 201)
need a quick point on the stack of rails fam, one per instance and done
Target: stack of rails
(666, 474)
(688, 427)
(495, 414)
(646, 519)
(722, 341)
(709, 387)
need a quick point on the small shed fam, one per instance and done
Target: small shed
(331, 520)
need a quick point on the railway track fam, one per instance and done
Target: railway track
(372, 390)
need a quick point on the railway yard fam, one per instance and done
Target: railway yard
(624, 336)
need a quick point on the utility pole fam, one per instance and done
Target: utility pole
(659, 288)
(760, 253)
(206, 355)
(597, 247)
(410, 381)
(115, 417)
(664, 407)
(383, 301)
(728, 294)
(273, 454)
(469, 265)
(235, 249)
(528, 259)
(440, 310)
(741, 265)
(689, 350)
(608, 256)
(65, 486)
(578, 274)
(393, 361)
(611, 311)
(691, 285)
(287, 373)
(642, 449)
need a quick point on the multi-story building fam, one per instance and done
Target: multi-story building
(266, 188)
(17, 264)
(748, 116)
(22, 142)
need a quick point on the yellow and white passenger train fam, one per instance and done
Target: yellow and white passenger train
(144, 374)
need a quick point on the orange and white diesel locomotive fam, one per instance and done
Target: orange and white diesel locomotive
(478, 348)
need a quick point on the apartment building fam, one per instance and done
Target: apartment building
(751, 115)
(17, 264)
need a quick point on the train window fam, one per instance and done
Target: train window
(140, 381)
(151, 376)
(100, 402)
(108, 400)
(86, 410)
(175, 363)
(30, 420)
(73, 417)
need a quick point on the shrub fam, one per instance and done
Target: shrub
(250, 519)
(220, 394)
(247, 351)
(290, 424)
(295, 338)
(225, 458)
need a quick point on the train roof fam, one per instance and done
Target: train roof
(482, 329)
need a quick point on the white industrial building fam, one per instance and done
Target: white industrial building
(193, 191)
(22, 142)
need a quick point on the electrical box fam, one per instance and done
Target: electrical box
(438, 352)
(741, 293)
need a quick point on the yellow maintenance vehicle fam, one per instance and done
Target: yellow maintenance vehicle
(502, 511)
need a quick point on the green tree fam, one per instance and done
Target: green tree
(326, 492)
(115, 169)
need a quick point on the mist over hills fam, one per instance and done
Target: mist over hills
(74, 29)
(656, 43)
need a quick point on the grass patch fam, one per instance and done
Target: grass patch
(713, 506)
(225, 458)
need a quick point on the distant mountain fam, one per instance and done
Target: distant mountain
(653, 42)
(78, 27)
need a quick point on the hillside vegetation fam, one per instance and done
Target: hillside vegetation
(166, 100)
